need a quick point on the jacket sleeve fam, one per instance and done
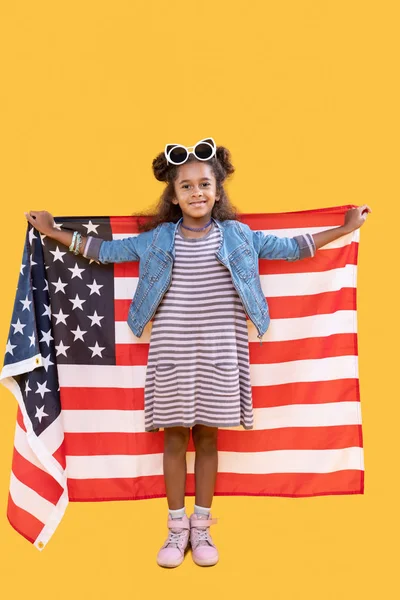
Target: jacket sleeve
(114, 251)
(286, 248)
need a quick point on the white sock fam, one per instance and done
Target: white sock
(178, 513)
(201, 510)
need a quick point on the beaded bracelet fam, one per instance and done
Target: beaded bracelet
(71, 248)
(78, 243)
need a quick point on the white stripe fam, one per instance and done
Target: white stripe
(276, 417)
(110, 376)
(22, 446)
(341, 321)
(303, 284)
(280, 284)
(29, 500)
(276, 461)
(339, 243)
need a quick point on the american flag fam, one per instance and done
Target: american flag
(78, 374)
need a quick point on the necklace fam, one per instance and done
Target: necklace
(197, 228)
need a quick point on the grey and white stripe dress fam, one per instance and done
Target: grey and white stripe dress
(198, 363)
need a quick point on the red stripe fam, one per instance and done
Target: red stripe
(306, 392)
(102, 398)
(285, 307)
(36, 479)
(332, 258)
(23, 522)
(131, 354)
(309, 392)
(227, 484)
(289, 307)
(60, 457)
(285, 438)
(339, 344)
(330, 216)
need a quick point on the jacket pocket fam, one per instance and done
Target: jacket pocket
(242, 261)
(152, 266)
(225, 379)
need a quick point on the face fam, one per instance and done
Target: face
(195, 182)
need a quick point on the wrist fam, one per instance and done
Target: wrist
(345, 229)
(52, 232)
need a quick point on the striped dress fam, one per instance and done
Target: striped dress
(198, 368)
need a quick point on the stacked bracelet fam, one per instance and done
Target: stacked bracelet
(76, 242)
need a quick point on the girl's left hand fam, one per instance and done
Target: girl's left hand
(355, 217)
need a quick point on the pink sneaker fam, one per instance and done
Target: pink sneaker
(172, 552)
(204, 552)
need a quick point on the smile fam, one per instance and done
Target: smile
(198, 203)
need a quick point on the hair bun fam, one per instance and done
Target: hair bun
(160, 167)
(224, 157)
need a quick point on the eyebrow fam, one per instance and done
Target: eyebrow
(188, 180)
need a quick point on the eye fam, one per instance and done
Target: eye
(205, 183)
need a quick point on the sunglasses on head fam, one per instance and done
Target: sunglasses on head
(176, 154)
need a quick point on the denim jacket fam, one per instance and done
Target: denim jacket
(239, 251)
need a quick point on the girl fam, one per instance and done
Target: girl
(198, 279)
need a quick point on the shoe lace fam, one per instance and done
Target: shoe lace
(175, 538)
(201, 536)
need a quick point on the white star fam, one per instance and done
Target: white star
(58, 255)
(10, 347)
(40, 413)
(58, 225)
(60, 316)
(96, 350)
(32, 338)
(27, 388)
(46, 288)
(47, 362)
(78, 334)
(32, 261)
(91, 228)
(46, 337)
(61, 349)
(42, 389)
(42, 237)
(32, 235)
(22, 269)
(76, 271)
(94, 287)
(59, 286)
(77, 302)
(18, 327)
(95, 319)
(26, 303)
(47, 310)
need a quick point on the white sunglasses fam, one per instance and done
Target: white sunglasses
(176, 154)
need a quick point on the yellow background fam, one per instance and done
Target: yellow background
(305, 95)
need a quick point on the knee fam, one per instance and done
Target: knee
(176, 439)
(205, 439)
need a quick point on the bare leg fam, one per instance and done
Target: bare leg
(176, 440)
(206, 463)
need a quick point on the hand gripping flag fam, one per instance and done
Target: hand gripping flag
(78, 374)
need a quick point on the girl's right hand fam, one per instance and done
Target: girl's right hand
(41, 220)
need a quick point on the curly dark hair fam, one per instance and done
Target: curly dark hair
(166, 211)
